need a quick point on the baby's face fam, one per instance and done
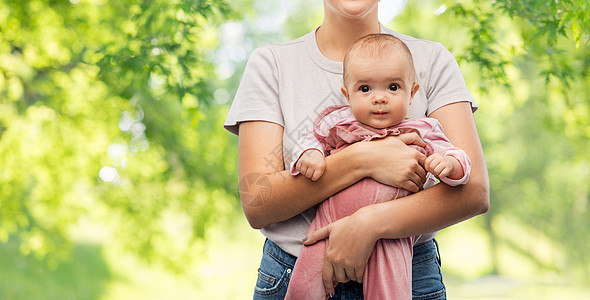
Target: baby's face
(379, 90)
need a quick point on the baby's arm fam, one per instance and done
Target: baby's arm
(450, 164)
(443, 166)
(308, 159)
(311, 164)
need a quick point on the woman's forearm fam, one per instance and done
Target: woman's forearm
(270, 194)
(428, 211)
(440, 206)
(287, 195)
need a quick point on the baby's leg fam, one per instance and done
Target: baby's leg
(306, 281)
(388, 274)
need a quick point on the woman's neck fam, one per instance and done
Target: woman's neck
(336, 35)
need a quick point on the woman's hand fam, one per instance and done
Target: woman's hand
(390, 161)
(349, 246)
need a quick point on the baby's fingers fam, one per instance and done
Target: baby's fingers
(309, 171)
(304, 169)
(317, 174)
(445, 172)
(427, 164)
(431, 163)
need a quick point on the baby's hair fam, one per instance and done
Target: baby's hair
(379, 45)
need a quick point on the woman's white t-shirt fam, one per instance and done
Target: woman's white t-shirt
(290, 83)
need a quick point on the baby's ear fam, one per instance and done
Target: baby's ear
(415, 88)
(345, 93)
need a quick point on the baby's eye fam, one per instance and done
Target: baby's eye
(393, 87)
(364, 88)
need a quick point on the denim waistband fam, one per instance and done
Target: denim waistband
(275, 251)
(425, 250)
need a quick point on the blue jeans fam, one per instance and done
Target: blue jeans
(277, 265)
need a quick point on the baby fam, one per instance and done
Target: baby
(379, 84)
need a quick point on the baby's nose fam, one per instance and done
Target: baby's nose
(379, 99)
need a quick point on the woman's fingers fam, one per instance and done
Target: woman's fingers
(415, 175)
(355, 274)
(349, 247)
(414, 183)
(396, 164)
(328, 277)
(419, 169)
(317, 235)
(340, 274)
(349, 273)
(412, 138)
(360, 272)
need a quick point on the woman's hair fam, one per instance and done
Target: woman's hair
(379, 45)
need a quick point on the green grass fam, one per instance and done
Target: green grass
(505, 288)
(466, 265)
(83, 276)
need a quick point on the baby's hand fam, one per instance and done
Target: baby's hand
(311, 164)
(440, 165)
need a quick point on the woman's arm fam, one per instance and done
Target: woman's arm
(441, 206)
(269, 194)
(351, 239)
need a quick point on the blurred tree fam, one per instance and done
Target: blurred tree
(527, 63)
(112, 110)
(107, 111)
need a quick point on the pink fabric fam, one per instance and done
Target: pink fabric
(388, 274)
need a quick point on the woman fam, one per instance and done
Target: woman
(282, 90)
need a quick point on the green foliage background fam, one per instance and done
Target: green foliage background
(117, 86)
(110, 131)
